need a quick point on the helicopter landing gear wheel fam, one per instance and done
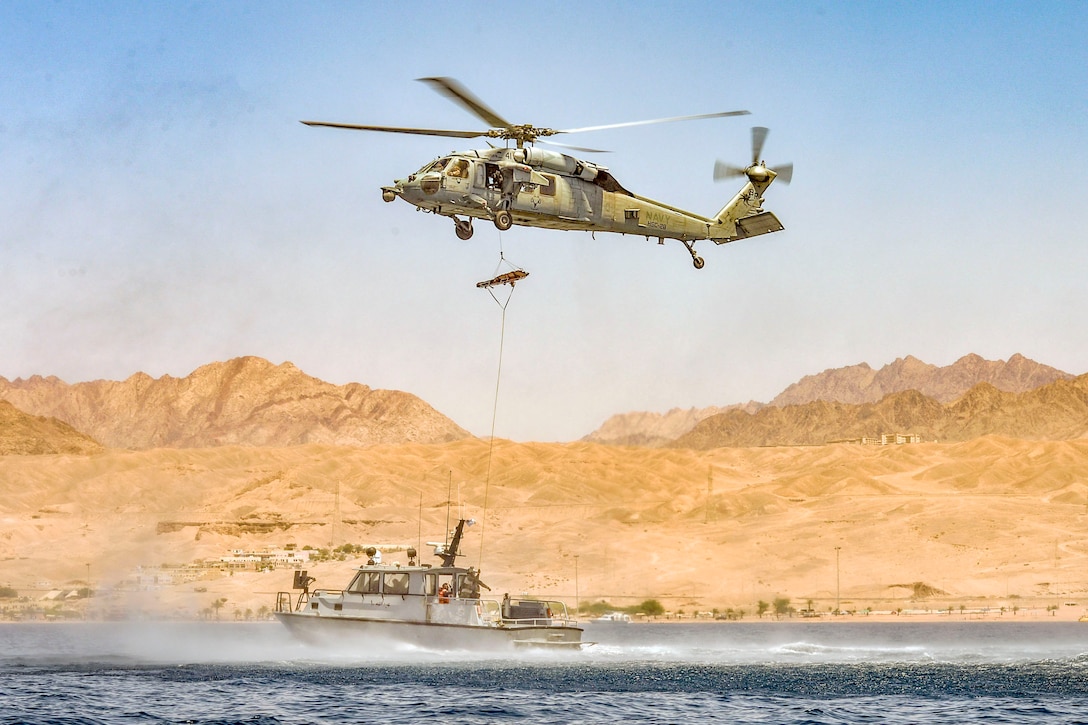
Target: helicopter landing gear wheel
(503, 220)
(463, 229)
(695, 258)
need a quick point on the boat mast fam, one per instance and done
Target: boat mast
(450, 552)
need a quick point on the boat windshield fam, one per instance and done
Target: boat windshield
(366, 582)
(396, 582)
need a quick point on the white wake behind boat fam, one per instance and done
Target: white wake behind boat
(432, 607)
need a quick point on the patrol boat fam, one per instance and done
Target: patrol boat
(432, 607)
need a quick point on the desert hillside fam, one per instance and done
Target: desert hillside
(991, 522)
(657, 429)
(24, 434)
(247, 401)
(1057, 411)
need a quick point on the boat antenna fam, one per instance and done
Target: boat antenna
(449, 495)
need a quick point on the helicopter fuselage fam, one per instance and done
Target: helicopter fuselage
(541, 188)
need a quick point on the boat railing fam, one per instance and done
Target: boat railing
(283, 601)
(532, 622)
(490, 611)
(556, 615)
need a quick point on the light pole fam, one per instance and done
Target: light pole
(577, 602)
(838, 608)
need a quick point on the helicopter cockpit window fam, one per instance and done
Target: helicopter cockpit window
(435, 165)
(457, 169)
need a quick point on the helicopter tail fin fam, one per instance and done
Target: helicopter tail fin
(744, 217)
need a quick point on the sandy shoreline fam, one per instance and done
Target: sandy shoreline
(240, 601)
(890, 619)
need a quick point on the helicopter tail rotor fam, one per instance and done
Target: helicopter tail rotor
(785, 172)
(724, 171)
(759, 137)
(758, 170)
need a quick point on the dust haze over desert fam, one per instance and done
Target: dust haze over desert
(215, 336)
(992, 522)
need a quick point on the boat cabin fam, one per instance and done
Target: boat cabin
(439, 595)
(426, 582)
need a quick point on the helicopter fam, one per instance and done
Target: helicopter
(535, 187)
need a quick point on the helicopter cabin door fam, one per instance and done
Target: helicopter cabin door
(490, 183)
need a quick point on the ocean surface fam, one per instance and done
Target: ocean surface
(811, 673)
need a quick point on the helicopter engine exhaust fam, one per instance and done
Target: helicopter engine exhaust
(555, 161)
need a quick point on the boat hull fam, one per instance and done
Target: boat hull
(346, 630)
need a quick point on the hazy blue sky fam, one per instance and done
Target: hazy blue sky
(162, 208)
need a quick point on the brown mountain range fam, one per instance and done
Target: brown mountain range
(1058, 411)
(861, 384)
(852, 384)
(247, 401)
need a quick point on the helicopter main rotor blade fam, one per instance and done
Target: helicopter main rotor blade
(574, 148)
(451, 88)
(656, 120)
(395, 129)
(759, 136)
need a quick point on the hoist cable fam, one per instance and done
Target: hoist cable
(495, 405)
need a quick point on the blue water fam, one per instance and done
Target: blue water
(146, 673)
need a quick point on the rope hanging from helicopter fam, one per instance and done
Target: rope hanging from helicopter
(500, 279)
